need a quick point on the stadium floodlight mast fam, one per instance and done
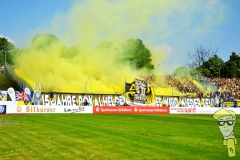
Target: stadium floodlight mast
(5, 58)
(219, 72)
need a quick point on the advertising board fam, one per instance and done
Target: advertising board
(199, 110)
(3, 109)
(130, 110)
(18, 109)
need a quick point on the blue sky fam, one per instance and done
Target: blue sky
(20, 17)
(174, 26)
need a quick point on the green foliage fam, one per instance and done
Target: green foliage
(69, 52)
(182, 72)
(136, 54)
(230, 69)
(1, 58)
(235, 58)
(213, 64)
(5, 48)
(44, 41)
(215, 67)
(205, 71)
(196, 72)
(232, 66)
(6, 82)
(11, 55)
(47, 42)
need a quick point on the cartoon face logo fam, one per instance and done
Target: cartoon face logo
(226, 122)
(226, 125)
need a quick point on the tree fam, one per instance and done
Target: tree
(69, 52)
(136, 54)
(14, 54)
(200, 55)
(204, 71)
(44, 41)
(231, 67)
(196, 72)
(214, 65)
(230, 70)
(5, 48)
(235, 58)
(182, 72)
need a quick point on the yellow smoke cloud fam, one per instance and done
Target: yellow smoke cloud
(85, 26)
(91, 70)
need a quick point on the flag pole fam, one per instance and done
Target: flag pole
(125, 92)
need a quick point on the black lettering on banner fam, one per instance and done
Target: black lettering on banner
(64, 99)
(73, 99)
(165, 100)
(159, 101)
(183, 102)
(173, 102)
(105, 101)
(197, 102)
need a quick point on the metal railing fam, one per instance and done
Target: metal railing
(9, 70)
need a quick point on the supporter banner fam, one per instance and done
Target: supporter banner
(130, 110)
(60, 99)
(18, 109)
(137, 93)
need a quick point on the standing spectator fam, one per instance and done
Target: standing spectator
(235, 104)
(223, 105)
(117, 103)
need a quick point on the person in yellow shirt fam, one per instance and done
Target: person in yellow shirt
(226, 122)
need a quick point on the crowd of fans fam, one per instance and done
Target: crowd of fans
(184, 85)
(225, 88)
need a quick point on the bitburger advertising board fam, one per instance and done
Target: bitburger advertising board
(18, 109)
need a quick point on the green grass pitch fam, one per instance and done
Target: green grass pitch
(91, 136)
